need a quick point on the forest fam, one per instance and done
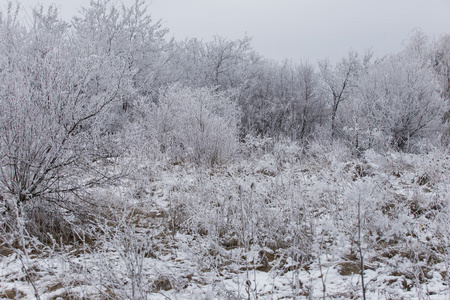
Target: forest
(134, 166)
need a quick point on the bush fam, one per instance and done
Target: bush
(399, 104)
(199, 125)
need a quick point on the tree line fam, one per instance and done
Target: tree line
(110, 83)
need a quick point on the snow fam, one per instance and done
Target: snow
(191, 261)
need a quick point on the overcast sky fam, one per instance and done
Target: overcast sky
(296, 29)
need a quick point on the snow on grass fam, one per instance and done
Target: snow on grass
(269, 227)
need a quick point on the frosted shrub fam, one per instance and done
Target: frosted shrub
(288, 151)
(199, 125)
(256, 145)
(399, 99)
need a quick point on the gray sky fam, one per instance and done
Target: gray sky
(296, 29)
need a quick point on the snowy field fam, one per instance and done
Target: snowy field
(274, 225)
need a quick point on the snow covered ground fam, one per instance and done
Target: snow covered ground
(274, 224)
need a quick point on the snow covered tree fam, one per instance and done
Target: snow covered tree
(54, 96)
(308, 105)
(256, 98)
(130, 35)
(441, 63)
(221, 62)
(339, 80)
(440, 60)
(282, 100)
(399, 100)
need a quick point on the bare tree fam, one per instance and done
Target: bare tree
(312, 106)
(339, 80)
